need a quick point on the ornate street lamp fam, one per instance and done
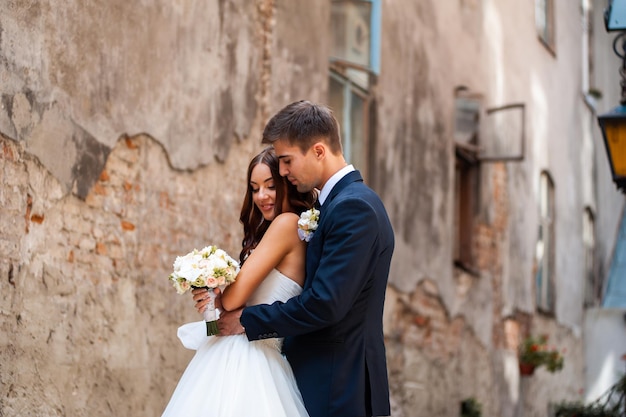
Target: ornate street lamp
(613, 123)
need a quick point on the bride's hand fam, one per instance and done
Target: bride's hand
(201, 297)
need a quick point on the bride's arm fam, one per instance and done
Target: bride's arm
(279, 239)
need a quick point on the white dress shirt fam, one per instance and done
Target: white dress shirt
(332, 181)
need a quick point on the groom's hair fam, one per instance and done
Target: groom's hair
(303, 123)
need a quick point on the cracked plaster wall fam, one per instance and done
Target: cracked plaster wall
(77, 75)
(112, 120)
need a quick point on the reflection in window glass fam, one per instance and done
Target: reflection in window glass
(354, 62)
(349, 103)
(358, 132)
(335, 100)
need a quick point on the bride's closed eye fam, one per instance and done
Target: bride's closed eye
(270, 187)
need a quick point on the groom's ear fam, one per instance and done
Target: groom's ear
(319, 150)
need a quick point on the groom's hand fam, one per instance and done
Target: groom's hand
(229, 323)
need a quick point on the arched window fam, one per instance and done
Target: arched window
(593, 288)
(468, 107)
(545, 248)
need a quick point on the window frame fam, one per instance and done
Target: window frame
(466, 177)
(545, 251)
(546, 27)
(375, 27)
(359, 81)
(593, 287)
(466, 172)
(361, 161)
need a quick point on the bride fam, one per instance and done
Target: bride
(230, 376)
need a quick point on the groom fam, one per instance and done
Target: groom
(333, 330)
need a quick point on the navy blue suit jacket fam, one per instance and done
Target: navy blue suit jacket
(333, 330)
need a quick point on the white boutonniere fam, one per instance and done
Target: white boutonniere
(307, 224)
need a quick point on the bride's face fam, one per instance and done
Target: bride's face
(263, 190)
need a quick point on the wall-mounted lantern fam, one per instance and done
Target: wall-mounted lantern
(613, 123)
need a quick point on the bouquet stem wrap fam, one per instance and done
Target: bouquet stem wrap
(210, 315)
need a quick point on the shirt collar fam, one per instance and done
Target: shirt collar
(332, 181)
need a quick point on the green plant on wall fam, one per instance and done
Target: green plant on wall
(582, 410)
(470, 408)
(534, 350)
(610, 404)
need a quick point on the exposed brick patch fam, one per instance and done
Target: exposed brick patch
(164, 200)
(7, 152)
(99, 189)
(36, 218)
(130, 143)
(101, 248)
(128, 226)
(421, 321)
(428, 325)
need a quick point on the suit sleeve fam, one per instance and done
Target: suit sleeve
(348, 250)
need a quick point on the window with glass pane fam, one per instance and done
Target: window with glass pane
(465, 179)
(349, 103)
(466, 128)
(593, 288)
(350, 23)
(544, 21)
(351, 78)
(545, 251)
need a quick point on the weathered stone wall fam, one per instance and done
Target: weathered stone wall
(125, 131)
(111, 121)
(470, 324)
(185, 72)
(606, 79)
(88, 315)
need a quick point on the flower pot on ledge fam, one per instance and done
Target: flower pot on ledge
(526, 369)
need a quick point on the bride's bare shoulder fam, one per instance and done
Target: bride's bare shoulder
(284, 227)
(285, 220)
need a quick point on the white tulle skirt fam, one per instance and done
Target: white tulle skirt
(232, 377)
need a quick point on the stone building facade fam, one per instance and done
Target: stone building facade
(126, 129)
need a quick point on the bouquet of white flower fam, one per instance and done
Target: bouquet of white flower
(210, 267)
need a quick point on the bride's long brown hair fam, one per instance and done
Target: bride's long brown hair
(254, 225)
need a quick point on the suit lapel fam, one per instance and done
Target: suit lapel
(351, 177)
(314, 247)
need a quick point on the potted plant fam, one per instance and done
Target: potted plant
(535, 352)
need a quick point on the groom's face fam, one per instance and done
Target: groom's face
(301, 169)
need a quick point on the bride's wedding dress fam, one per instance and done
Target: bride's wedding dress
(230, 376)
